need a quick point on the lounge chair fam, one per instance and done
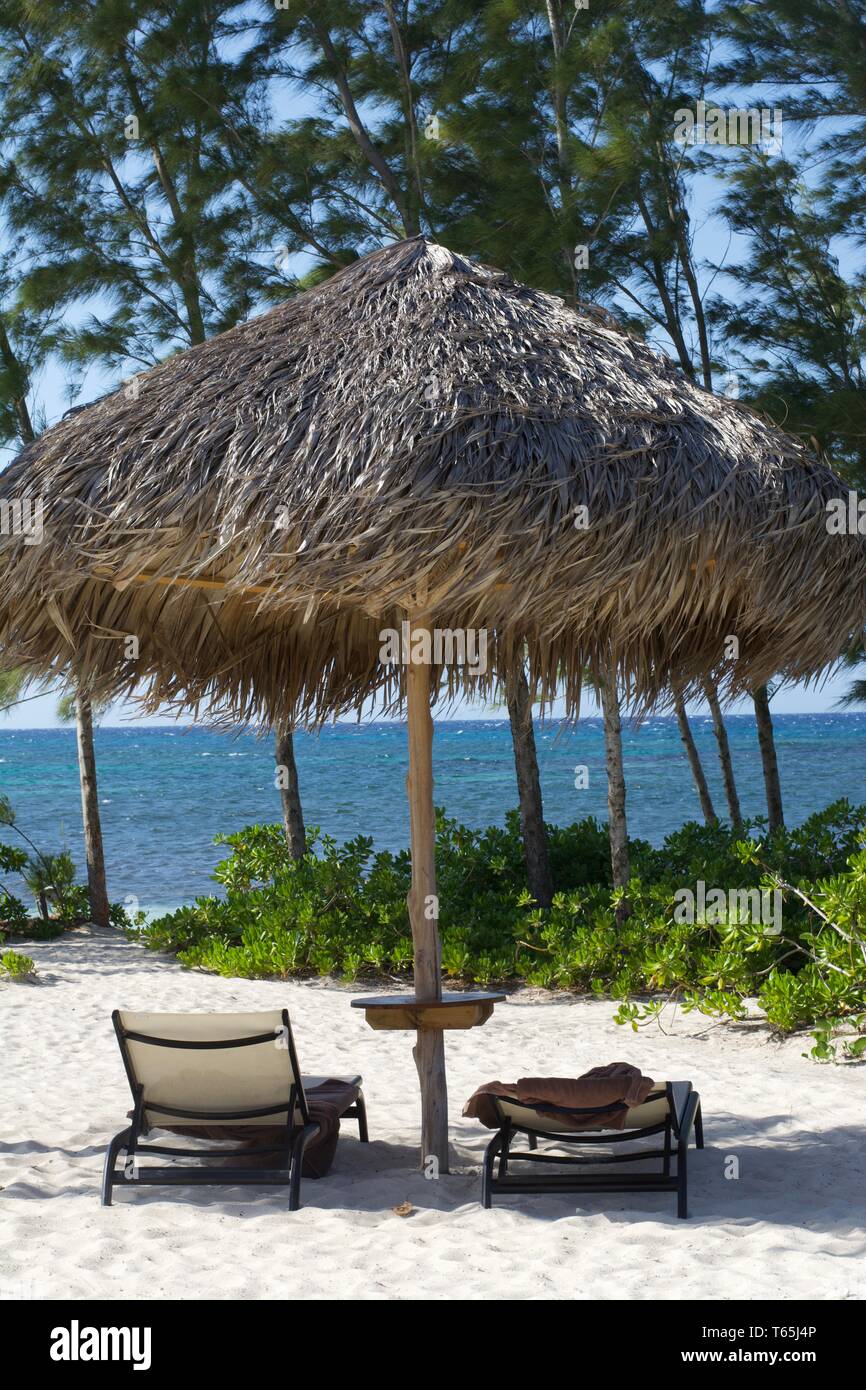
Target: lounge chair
(216, 1073)
(671, 1109)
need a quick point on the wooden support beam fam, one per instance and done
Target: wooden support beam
(429, 1051)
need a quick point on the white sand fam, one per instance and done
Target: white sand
(791, 1226)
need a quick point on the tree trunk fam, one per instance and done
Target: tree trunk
(535, 849)
(617, 826)
(17, 381)
(767, 746)
(290, 795)
(721, 733)
(694, 758)
(423, 904)
(557, 23)
(90, 811)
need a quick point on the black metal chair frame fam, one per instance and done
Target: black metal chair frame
(683, 1114)
(292, 1139)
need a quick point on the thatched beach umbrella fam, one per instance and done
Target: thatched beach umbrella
(420, 440)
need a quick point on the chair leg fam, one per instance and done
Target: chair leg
(689, 1118)
(503, 1154)
(297, 1163)
(118, 1142)
(361, 1108)
(682, 1181)
(533, 1142)
(487, 1170)
(699, 1128)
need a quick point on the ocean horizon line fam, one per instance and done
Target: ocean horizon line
(202, 726)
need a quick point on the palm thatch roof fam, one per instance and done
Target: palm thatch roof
(421, 431)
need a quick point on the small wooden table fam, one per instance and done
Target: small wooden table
(467, 1010)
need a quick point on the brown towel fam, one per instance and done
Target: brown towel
(327, 1103)
(611, 1091)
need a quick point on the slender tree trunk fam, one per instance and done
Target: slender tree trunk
(557, 25)
(671, 312)
(694, 758)
(617, 825)
(368, 147)
(770, 765)
(535, 849)
(90, 811)
(725, 759)
(17, 378)
(415, 200)
(679, 223)
(187, 279)
(290, 795)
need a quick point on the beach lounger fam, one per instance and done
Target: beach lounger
(671, 1109)
(225, 1075)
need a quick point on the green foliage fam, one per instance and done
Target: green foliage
(67, 707)
(16, 966)
(800, 319)
(13, 914)
(51, 880)
(121, 124)
(12, 860)
(813, 972)
(342, 910)
(12, 681)
(122, 919)
(156, 190)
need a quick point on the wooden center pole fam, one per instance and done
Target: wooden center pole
(423, 904)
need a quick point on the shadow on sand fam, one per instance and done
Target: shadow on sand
(808, 1179)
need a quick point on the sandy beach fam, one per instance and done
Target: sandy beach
(792, 1225)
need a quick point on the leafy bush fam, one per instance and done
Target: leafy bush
(61, 901)
(16, 966)
(812, 972)
(120, 917)
(12, 860)
(51, 879)
(13, 914)
(342, 910)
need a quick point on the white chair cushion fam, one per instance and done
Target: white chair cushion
(234, 1078)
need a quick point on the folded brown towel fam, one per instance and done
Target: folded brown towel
(607, 1093)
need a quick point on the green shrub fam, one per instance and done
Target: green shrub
(61, 901)
(12, 860)
(51, 880)
(121, 918)
(13, 914)
(16, 966)
(342, 910)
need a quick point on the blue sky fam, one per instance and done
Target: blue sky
(41, 713)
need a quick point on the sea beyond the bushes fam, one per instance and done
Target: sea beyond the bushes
(165, 793)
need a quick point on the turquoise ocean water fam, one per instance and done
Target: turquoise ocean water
(165, 793)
